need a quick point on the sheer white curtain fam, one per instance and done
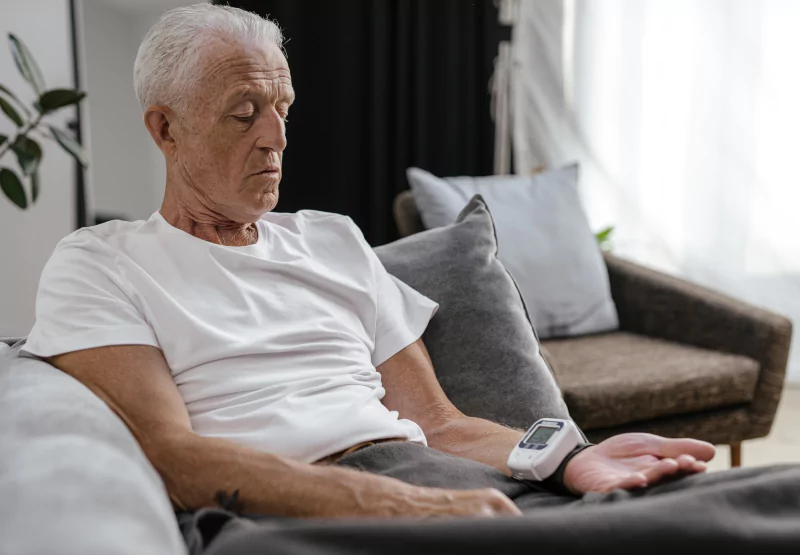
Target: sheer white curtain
(685, 115)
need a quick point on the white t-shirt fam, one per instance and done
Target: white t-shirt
(272, 345)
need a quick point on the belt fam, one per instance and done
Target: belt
(334, 458)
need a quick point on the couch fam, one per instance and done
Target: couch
(685, 361)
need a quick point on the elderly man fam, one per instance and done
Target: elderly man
(272, 354)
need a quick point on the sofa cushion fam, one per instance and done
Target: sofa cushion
(73, 479)
(619, 378)
(545, 242)
(484, 349)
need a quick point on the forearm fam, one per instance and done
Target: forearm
(195, 469)
(476, 439)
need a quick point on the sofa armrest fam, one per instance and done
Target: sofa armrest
(406, 215)
(657, 305)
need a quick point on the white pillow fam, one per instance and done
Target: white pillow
(544, 241)
(73, 480)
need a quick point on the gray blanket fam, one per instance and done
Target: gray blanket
(752, 510)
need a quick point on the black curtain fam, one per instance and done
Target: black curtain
(382, 85)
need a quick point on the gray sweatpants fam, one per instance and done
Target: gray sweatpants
(752, 511)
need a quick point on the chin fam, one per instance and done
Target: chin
(255, 201)
(269, 201)
(263, 203)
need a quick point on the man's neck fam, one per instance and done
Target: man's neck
(183, 209)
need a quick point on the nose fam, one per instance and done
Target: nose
(271, 131)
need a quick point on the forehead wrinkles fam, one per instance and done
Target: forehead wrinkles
(224, 54)
(272, 83)
(245, 68)
(245, 77)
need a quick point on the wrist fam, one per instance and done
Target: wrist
(564, 478)
(569, 477)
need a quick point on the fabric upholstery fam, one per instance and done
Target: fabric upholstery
(73, 479)
(406, 215)
(544, 241)
(720, 426)
(657, 305)
(482, 344)
(619, 378)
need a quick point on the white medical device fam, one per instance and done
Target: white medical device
(544, 447)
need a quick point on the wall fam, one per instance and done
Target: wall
(28, 237)
(127, 175)
(127, 172)
(120, 181)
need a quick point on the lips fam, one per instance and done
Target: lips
(273, 171)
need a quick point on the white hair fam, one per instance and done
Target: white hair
(169, 57)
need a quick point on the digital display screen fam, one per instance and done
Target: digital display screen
(541, 434)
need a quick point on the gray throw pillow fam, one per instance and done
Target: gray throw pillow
(544, 241)
(483, 347)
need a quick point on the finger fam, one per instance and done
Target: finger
(500, 504)
(685, 462)
(632, 481)
(699, 466)
(673, 448)
(660, 470)
(689, 465)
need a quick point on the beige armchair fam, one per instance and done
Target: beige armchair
(686, 361)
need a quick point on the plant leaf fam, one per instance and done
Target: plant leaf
(26, 64)
(9, 110)
(58, 98)
(34, 186)
(28, 152)
(70, 145)
(7, 92)
(12, 96)
(12, 187)
(604, 235)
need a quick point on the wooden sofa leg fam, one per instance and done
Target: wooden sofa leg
(736, 455)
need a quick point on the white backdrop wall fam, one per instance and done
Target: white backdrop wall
(28, 237)
(128, 172)
(683, 114)
(121, 182)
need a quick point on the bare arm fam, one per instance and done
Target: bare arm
(136, 384)
(413, 390)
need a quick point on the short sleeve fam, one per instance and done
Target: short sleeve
(403, 315)
(402, 312)
(82, 303)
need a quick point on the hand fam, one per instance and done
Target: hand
(433, 502)
(629, 461)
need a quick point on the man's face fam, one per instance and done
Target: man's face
(229, 143)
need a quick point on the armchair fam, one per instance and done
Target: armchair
(686, 360)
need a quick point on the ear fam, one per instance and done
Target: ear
(157, 119)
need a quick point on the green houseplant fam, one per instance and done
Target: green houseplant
(30, 127)
(604, 238)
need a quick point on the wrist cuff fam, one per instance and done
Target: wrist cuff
(555, 483)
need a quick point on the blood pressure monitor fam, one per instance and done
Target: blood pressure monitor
(546, 444)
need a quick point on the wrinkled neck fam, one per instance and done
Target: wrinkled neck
(187, 209)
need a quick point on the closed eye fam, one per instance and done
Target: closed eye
(283, 111)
